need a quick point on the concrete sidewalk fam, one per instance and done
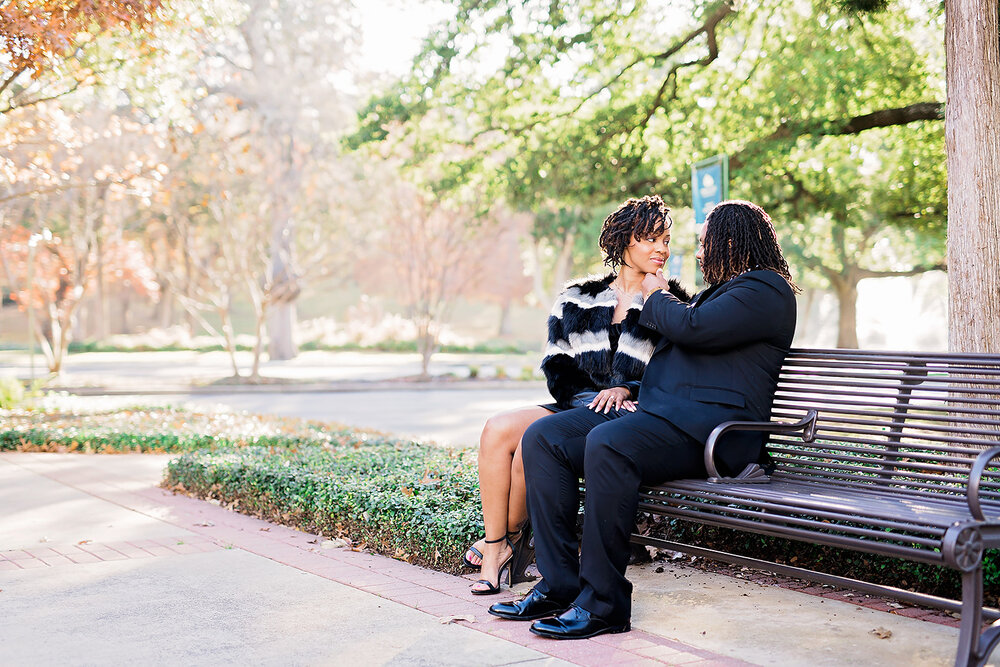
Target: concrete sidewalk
(100, 566)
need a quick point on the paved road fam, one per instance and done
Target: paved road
(452, 417)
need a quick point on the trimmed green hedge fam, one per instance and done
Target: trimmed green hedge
(155, 430)
(405, 500)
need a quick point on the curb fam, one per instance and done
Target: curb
(299, 388)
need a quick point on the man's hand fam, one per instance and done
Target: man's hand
(615, 397)
(653, 281)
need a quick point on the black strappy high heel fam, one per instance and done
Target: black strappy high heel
(491, 588)
(524, 553)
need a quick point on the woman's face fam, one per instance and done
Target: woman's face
(648, 254)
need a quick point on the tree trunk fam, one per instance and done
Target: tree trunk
(564, 264)
(100, 328)
(805, 309)
(280, 330)
(229, 336)
(426, 345)
(125, 301)
(846, 289)
(972, 139)
(163, 314)
(260, 315)
(284, 283)
(561, 268)
(505, 327)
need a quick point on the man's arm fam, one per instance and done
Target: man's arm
(746, 312)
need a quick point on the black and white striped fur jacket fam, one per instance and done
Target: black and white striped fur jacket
(578, 354)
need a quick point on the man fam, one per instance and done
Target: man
(717, 360)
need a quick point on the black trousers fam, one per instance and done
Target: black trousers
(615, 454)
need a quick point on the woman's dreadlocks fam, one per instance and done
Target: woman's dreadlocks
(740, 238)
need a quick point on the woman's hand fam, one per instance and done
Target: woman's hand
(615, 397)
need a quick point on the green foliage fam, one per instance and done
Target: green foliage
(161, 430)
(405, 500)
(11, 392)
(14, 394)
(864, 5)
(379, 114)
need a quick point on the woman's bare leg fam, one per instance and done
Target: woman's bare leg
(517, 505)
(497, 445)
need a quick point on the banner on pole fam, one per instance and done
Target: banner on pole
(709, 186)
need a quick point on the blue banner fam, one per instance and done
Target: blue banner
(709, 186)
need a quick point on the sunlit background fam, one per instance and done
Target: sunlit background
(270, 176)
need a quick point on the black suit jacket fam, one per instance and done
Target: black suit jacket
(718, 359)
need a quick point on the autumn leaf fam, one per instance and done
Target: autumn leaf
(445, 620)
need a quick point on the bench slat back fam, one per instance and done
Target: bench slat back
(892, 420)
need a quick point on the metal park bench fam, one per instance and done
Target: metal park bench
(879, 452)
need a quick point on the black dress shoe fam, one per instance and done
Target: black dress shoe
(534, 605)
(576, 623)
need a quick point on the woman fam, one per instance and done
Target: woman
(595, 357)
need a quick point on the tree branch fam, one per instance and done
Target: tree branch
(866, 273)
(843, 126)
(13, 76)
(721, 12)
(38, 100)
(708, 27)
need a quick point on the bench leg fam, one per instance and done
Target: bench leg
(974, 647)
(972, 610)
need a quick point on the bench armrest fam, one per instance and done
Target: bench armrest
(807, 425)
(975, 476)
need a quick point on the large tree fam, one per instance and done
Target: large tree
(288, 68)
(596, 101)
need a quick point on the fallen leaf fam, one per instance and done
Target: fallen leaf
(334, 544)
(881, 633)
(265, 529)
(894, 605)
(85, 541)
(454, 619)
(204, 524)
